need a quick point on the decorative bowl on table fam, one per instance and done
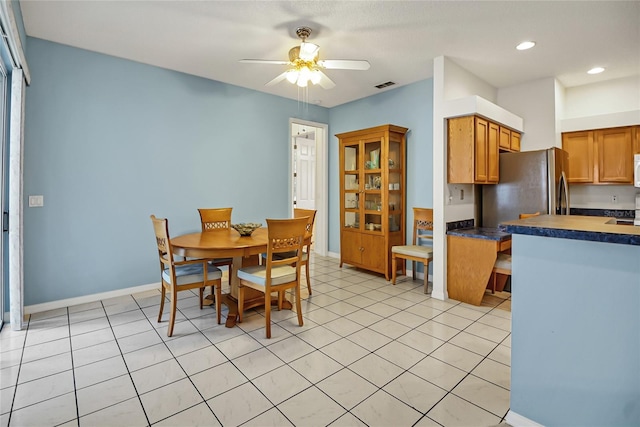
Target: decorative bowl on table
(246, 228)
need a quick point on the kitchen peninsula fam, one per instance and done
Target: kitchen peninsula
(575, 321)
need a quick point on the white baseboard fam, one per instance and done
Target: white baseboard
(516, 420)
(333, 255)
(52, 305)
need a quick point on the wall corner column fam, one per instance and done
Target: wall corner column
(16, 151)
(439, 184)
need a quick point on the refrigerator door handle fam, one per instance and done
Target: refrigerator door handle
(563, 196)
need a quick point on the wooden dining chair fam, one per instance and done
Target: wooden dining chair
(179, 276)
(503, 261)
(422, 231)
(310, 214)
(216, 219)
(277, 274)
(528, 215)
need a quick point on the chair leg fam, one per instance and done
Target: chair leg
(306, 268)
(163, 296)
(267, 313)
(172, 318)
(240, 302)
(299, 305)
(426, 277)
(201, 294)
(493, 287)
(280, 299)
(414, 267)
(218, 299)
(394, 268)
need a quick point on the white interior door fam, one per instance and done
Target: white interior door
(309, 175)
(304, 171)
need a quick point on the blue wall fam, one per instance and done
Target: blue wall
(110, 141)
(575, 350)
(410, 106)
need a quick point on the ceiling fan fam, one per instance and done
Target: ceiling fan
(305, 67)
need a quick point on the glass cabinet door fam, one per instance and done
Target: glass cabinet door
(351, 188)
(373, 179)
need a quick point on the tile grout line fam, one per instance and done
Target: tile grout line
(144, 411)
(73, 370)
(15, 390)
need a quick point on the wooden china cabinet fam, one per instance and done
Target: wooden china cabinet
(372, 196)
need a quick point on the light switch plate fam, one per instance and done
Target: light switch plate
(36, 201)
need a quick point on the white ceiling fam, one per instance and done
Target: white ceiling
(399, 38)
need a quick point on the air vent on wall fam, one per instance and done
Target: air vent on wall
(383, 85)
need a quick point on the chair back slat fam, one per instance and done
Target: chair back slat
(285, 235)
(422, 224)
(311, 217)
(213, 219)
(163, 241)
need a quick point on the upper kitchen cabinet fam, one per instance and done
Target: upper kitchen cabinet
(615, 155)
(473, 150)
(580, 147)
(509, 139)
(636, 140)
(603, 156)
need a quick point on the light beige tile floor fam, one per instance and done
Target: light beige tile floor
(369, 353)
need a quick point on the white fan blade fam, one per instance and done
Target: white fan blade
(344, 64)
(263, 61)
(278, 79)
(325, 81)
(308, 51)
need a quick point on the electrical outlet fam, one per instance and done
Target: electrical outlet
(36, 201)
(614, 199)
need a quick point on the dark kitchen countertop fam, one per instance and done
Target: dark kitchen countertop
(616, 213)
(575, 227)
(481, 233)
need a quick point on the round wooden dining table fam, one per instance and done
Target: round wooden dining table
(227, 243)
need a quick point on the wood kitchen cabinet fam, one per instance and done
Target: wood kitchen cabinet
(602, 156)
(473, 147)
(580, 147)
(636, 140)
(509, 139)
(372, 196)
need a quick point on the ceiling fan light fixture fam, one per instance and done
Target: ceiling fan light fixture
(305, 66)
(308, 51)
(292, 76)
(315, 77)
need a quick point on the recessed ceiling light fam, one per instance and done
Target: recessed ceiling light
(595, 70)
(526, 45)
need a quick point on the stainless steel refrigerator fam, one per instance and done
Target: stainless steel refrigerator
(530, 181)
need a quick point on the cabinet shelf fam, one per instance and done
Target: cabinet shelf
(383, 147)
